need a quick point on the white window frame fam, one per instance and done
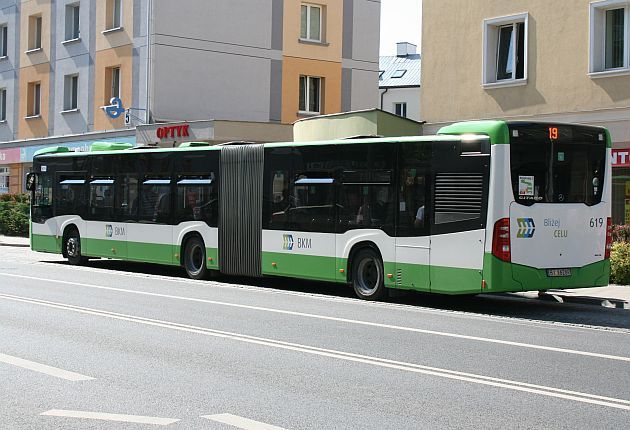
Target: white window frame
(307, 94)
(71, 93)
(4, 43)
(37, 99)
(73, 22)
(115, 17)
(403, 109)
(597, 39)
(309, 8)
(115, 93)
(490, 50)
(3, 104)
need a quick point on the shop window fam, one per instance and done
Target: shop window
(5, 174)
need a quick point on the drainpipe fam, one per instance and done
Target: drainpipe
(149, 66)
(383, 96)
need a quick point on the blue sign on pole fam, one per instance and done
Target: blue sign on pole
(115, 108)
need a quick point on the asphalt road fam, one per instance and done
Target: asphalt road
(131, 346)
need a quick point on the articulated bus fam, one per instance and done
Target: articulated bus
(488, 206)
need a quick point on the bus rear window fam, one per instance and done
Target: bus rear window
(557, 164)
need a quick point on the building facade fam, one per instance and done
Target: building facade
(566, 60)
(399, 82)
(260, 61)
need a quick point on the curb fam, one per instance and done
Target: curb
(16, 245)
(585, 300)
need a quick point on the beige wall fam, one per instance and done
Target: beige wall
(292, 68)
(115, 57)
(34, 127)
(113, 39)
(558, 55)
(30, 8)
(332, 31)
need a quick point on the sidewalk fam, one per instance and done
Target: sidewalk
(14, 241)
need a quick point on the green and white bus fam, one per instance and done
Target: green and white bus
(488, 206)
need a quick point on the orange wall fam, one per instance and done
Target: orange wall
(35, 127)
(292, 68)
(332, 31)
(121, 57)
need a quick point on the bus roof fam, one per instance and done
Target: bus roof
(499, 131)
(63, 153)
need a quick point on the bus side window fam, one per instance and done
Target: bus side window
(102, 199)
(413, 202)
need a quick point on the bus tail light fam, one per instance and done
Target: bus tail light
(608, 237)
(501, 240)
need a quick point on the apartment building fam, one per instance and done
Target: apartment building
(561, 60)
(254, 66)
(399, 81)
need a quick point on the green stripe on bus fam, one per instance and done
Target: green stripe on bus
(300, 266)
(45, 243)
(510, 277)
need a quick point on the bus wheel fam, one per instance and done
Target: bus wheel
(72, 245)
(367, 275)
(195, 258)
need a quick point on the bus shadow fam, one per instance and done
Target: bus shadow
(496, 305)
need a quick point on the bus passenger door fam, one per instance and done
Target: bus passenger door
(413, 243)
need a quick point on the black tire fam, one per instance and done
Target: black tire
(72, 247)
(195, 258)
(368, 279)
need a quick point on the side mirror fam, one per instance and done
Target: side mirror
(31, 181)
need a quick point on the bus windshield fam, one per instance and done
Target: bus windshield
(557, 164)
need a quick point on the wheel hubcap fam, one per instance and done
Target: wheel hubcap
(368, 276)
(72, 247)
(195, 259)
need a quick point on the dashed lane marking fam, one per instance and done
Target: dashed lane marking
(43, 368)
(240, 422)
(137, 419)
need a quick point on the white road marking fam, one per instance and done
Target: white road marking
(42, 368)
(343, 320)
(240, 422)
(138, 419)
(347, 356)
(354, 301)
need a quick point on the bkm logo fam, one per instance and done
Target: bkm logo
(526, 228)
(288, 242)
(109, 231)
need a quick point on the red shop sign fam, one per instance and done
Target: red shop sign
(621, 157)
(9, 156)
(173, 131)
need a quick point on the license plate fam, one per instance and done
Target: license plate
(558, 272)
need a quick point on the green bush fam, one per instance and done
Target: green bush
(621, 233)
(14, 214)
(620, 263)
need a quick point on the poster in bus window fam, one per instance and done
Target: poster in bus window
(525, 185)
